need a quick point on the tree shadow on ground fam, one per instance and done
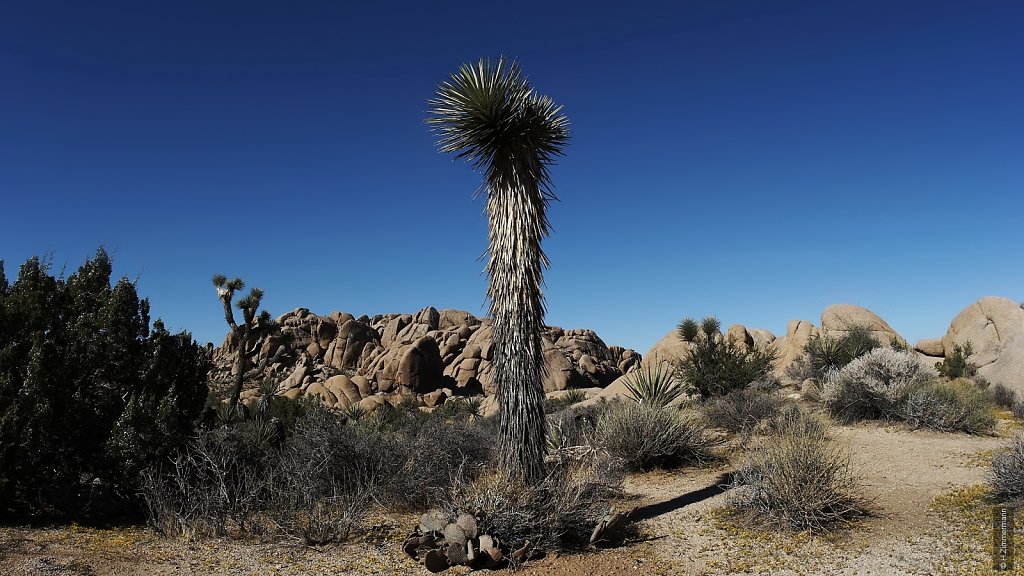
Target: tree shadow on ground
(623, 529)
(650, 511)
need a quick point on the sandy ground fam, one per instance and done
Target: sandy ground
(929, 518)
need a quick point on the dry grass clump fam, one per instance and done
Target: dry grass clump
(742, 410)
(645, 436)
(1006, 478)
(797, 478)
(949, 406)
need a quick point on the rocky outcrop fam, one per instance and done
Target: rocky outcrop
(790, 348)
(995, 328)
(344, 360)
(990, 324)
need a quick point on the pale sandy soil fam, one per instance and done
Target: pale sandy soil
(928, 520)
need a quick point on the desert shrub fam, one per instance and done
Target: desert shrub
(742, 409)
(958, 364)
(1018, 409)
(646, 437)
(433, 453)
(90, 392)
(327, 475)
(1002, 396)
(572, 430)
(1006, 477)
(949, 406)
(288, 412)
(558, 513)
(218, 482)
(250, 478)
(797, 478)
(715, 365)
(874, 385)
(655, 385)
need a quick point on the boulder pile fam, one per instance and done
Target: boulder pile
(433, 354)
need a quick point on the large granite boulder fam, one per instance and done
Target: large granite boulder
(420, 369)
(839, 319)
(790, 348)
(995, 328)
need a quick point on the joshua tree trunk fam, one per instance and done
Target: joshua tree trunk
(515, 212)
(241, 334)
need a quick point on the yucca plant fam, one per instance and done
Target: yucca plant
(353, 413)
(268, 389)
(654, 385)
(826, 353)
(488, 114)
(409, 403)
(473, 406)
(227, 414)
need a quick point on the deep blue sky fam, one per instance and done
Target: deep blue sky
(753, 160)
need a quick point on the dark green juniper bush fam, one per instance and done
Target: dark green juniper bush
(958, 364)
(90, 392)
(488, 114)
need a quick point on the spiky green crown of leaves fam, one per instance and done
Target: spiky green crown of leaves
(488, 115)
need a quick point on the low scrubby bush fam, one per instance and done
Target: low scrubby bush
(326, 476)
(1003, 396)
(218, 482)
(949, 406)
(797, 478)
(874, 385)
(431, 454)
(892, 385)
(645, 437)
(1018, 409)
(314, 482)
(1006, 477)
(558, 513)
(742, 409)
(716, 365)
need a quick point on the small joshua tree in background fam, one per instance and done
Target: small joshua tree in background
(247, 333)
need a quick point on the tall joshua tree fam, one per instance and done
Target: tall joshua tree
(248, 332)
(488, 115)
